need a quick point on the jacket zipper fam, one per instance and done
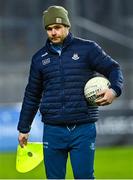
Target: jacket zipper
(62, 83)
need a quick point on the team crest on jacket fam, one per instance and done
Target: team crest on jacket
(75, 56)
(46, 61)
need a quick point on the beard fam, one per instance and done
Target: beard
(56, 39)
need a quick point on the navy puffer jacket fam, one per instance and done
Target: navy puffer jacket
(56, 83)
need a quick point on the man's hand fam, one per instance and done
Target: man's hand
(23, 138)
(106, 97)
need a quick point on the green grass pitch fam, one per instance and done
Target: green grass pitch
(110, 163)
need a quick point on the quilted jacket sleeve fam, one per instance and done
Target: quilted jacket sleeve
(104, 64)
(32, 97)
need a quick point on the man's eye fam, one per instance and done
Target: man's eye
(49, 29)
(57, 27)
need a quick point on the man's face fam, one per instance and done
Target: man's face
(57, 33)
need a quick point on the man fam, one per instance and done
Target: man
(58, 74)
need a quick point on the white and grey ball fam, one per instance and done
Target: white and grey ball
(93, 86)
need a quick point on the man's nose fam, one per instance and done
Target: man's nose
(53, 31)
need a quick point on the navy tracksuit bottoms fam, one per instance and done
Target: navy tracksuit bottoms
(79, 141)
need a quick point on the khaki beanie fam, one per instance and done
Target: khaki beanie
(55, 15)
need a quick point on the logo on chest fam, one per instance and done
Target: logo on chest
(75, 56)
(46, 61)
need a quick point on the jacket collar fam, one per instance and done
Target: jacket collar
(66, 43)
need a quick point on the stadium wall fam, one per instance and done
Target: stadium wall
(115, 127)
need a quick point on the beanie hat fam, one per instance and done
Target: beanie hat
(55, 15)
